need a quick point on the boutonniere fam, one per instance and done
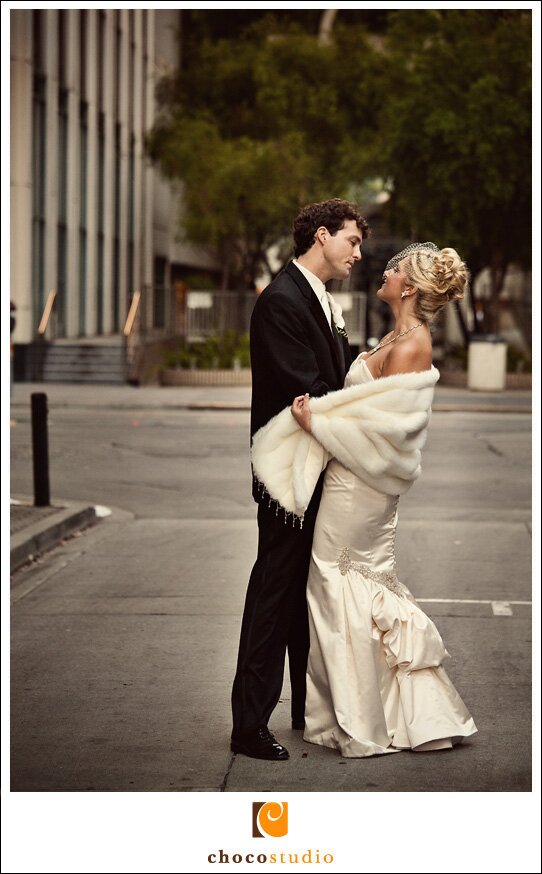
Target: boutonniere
(337, 316)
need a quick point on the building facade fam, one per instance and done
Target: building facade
(90, 217)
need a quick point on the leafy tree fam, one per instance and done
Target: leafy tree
(455, 133)
(255, 127)
(239, 193)
(435, 102)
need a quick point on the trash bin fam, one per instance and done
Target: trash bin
(487, 363)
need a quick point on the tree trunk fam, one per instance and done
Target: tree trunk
(497, 271)
(462, 323)
(225, 274)
(476, 306)
(327, 21)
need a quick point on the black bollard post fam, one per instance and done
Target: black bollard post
(40, 450)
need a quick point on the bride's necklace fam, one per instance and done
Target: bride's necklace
(393, 339)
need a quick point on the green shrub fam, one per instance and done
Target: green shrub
(218, 351)
(456, 358)
(518, 360)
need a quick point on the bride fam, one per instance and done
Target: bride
(375, 681)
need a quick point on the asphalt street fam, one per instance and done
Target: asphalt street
(124, 638)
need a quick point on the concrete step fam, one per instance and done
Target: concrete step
(76, 363)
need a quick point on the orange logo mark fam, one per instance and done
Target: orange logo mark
(269, 819)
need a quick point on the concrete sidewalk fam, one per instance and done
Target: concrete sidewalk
(34, 530)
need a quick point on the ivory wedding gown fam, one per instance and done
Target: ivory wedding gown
(375, 681)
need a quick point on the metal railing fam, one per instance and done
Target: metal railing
(208, 313)
(47, 325)
(132, 337)
(197, 315)
(132, 313)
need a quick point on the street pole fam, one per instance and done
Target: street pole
(40, 450)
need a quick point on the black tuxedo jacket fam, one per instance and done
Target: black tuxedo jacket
(292, 349)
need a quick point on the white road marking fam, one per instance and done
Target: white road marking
(499, 608)
(467, 601)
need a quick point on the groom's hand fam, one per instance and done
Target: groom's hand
(301, 412)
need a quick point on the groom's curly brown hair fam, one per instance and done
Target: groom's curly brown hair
(331, 214)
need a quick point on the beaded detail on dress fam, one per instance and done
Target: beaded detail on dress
(385, 578)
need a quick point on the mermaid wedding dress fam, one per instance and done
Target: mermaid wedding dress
(375, 681)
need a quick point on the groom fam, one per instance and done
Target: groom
(295, 348)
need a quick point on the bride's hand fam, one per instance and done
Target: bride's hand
(301, 412)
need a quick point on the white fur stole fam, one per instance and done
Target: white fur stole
(375, 429)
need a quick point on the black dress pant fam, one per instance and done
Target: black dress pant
(275, 618)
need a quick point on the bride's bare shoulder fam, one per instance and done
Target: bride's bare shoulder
(408, 356)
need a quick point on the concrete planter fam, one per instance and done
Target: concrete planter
(177, 376)
(519, 380)
(458, 379)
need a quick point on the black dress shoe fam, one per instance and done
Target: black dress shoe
(298, 724)
(260, 744)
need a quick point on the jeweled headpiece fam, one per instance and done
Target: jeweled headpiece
(414, 247)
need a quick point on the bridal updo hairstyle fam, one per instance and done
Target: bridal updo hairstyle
(439, 279)
(330, 214)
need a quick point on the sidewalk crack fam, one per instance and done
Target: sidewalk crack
(224, 783)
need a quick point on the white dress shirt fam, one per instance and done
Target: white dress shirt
(319, 289)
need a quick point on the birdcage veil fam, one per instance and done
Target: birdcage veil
(414, 247)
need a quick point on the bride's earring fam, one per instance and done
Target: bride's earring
(403, 294)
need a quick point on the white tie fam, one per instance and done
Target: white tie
(325, 306)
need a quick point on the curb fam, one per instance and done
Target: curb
(40, 536)
(439, 407)
(443, 407)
